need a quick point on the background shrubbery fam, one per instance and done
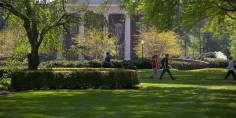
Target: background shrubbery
(5, 75)
(126, 64)
(216, 62)
(133, 64)
(180, 64)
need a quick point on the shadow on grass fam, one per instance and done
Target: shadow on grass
(155, 102)
(194, 94)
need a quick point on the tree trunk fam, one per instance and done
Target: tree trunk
(33, 58)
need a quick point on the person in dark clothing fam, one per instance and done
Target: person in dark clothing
(107, 61)
(230, 69)
(165, 66)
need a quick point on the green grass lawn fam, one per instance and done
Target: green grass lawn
(195, 94)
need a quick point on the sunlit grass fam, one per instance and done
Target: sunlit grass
(195, 93)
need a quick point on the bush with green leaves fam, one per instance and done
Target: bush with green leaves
(133, 64)
(126, 64)
(217, 63)
(65, 63)
(188, 65)
(74, 78)
(5, 75)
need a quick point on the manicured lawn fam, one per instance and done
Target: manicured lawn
(195, 94)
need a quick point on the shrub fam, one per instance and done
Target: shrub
(137, 64)
(74, 79)
(5, 75)
(117, 63)
(65, 63)
(217, 63)
(188, 65)
(143, 64)
(129, 64)
(95, 63)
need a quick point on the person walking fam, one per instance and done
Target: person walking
(230, 69)
(154, 67)
(165, 66)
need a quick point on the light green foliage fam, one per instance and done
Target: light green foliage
(94, 44)
(12, 40)
(158, 43)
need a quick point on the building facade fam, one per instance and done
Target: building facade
(120, 25)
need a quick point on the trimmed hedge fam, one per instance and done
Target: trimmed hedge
(74, 79)
(126, 64)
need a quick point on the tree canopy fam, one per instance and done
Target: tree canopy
(172, 14)
(43, 22)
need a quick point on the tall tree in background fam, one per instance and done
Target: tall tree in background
(219, 16)
(41, 20)
(163, 13)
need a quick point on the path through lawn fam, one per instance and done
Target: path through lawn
(198, 93)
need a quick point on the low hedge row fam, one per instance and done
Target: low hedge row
(74, 79)
(137, 64)
(126, 64)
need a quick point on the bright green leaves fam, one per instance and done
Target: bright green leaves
(13, 42)
(158, 43)
(94, 44)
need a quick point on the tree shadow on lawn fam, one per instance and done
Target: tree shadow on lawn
(153, 102)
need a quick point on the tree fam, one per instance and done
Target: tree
(170, 14)
(219, 16)
(158, 43)
(195, 47)
(41, 20)
(94, 44)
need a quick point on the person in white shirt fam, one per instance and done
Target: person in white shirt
(230, 69)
